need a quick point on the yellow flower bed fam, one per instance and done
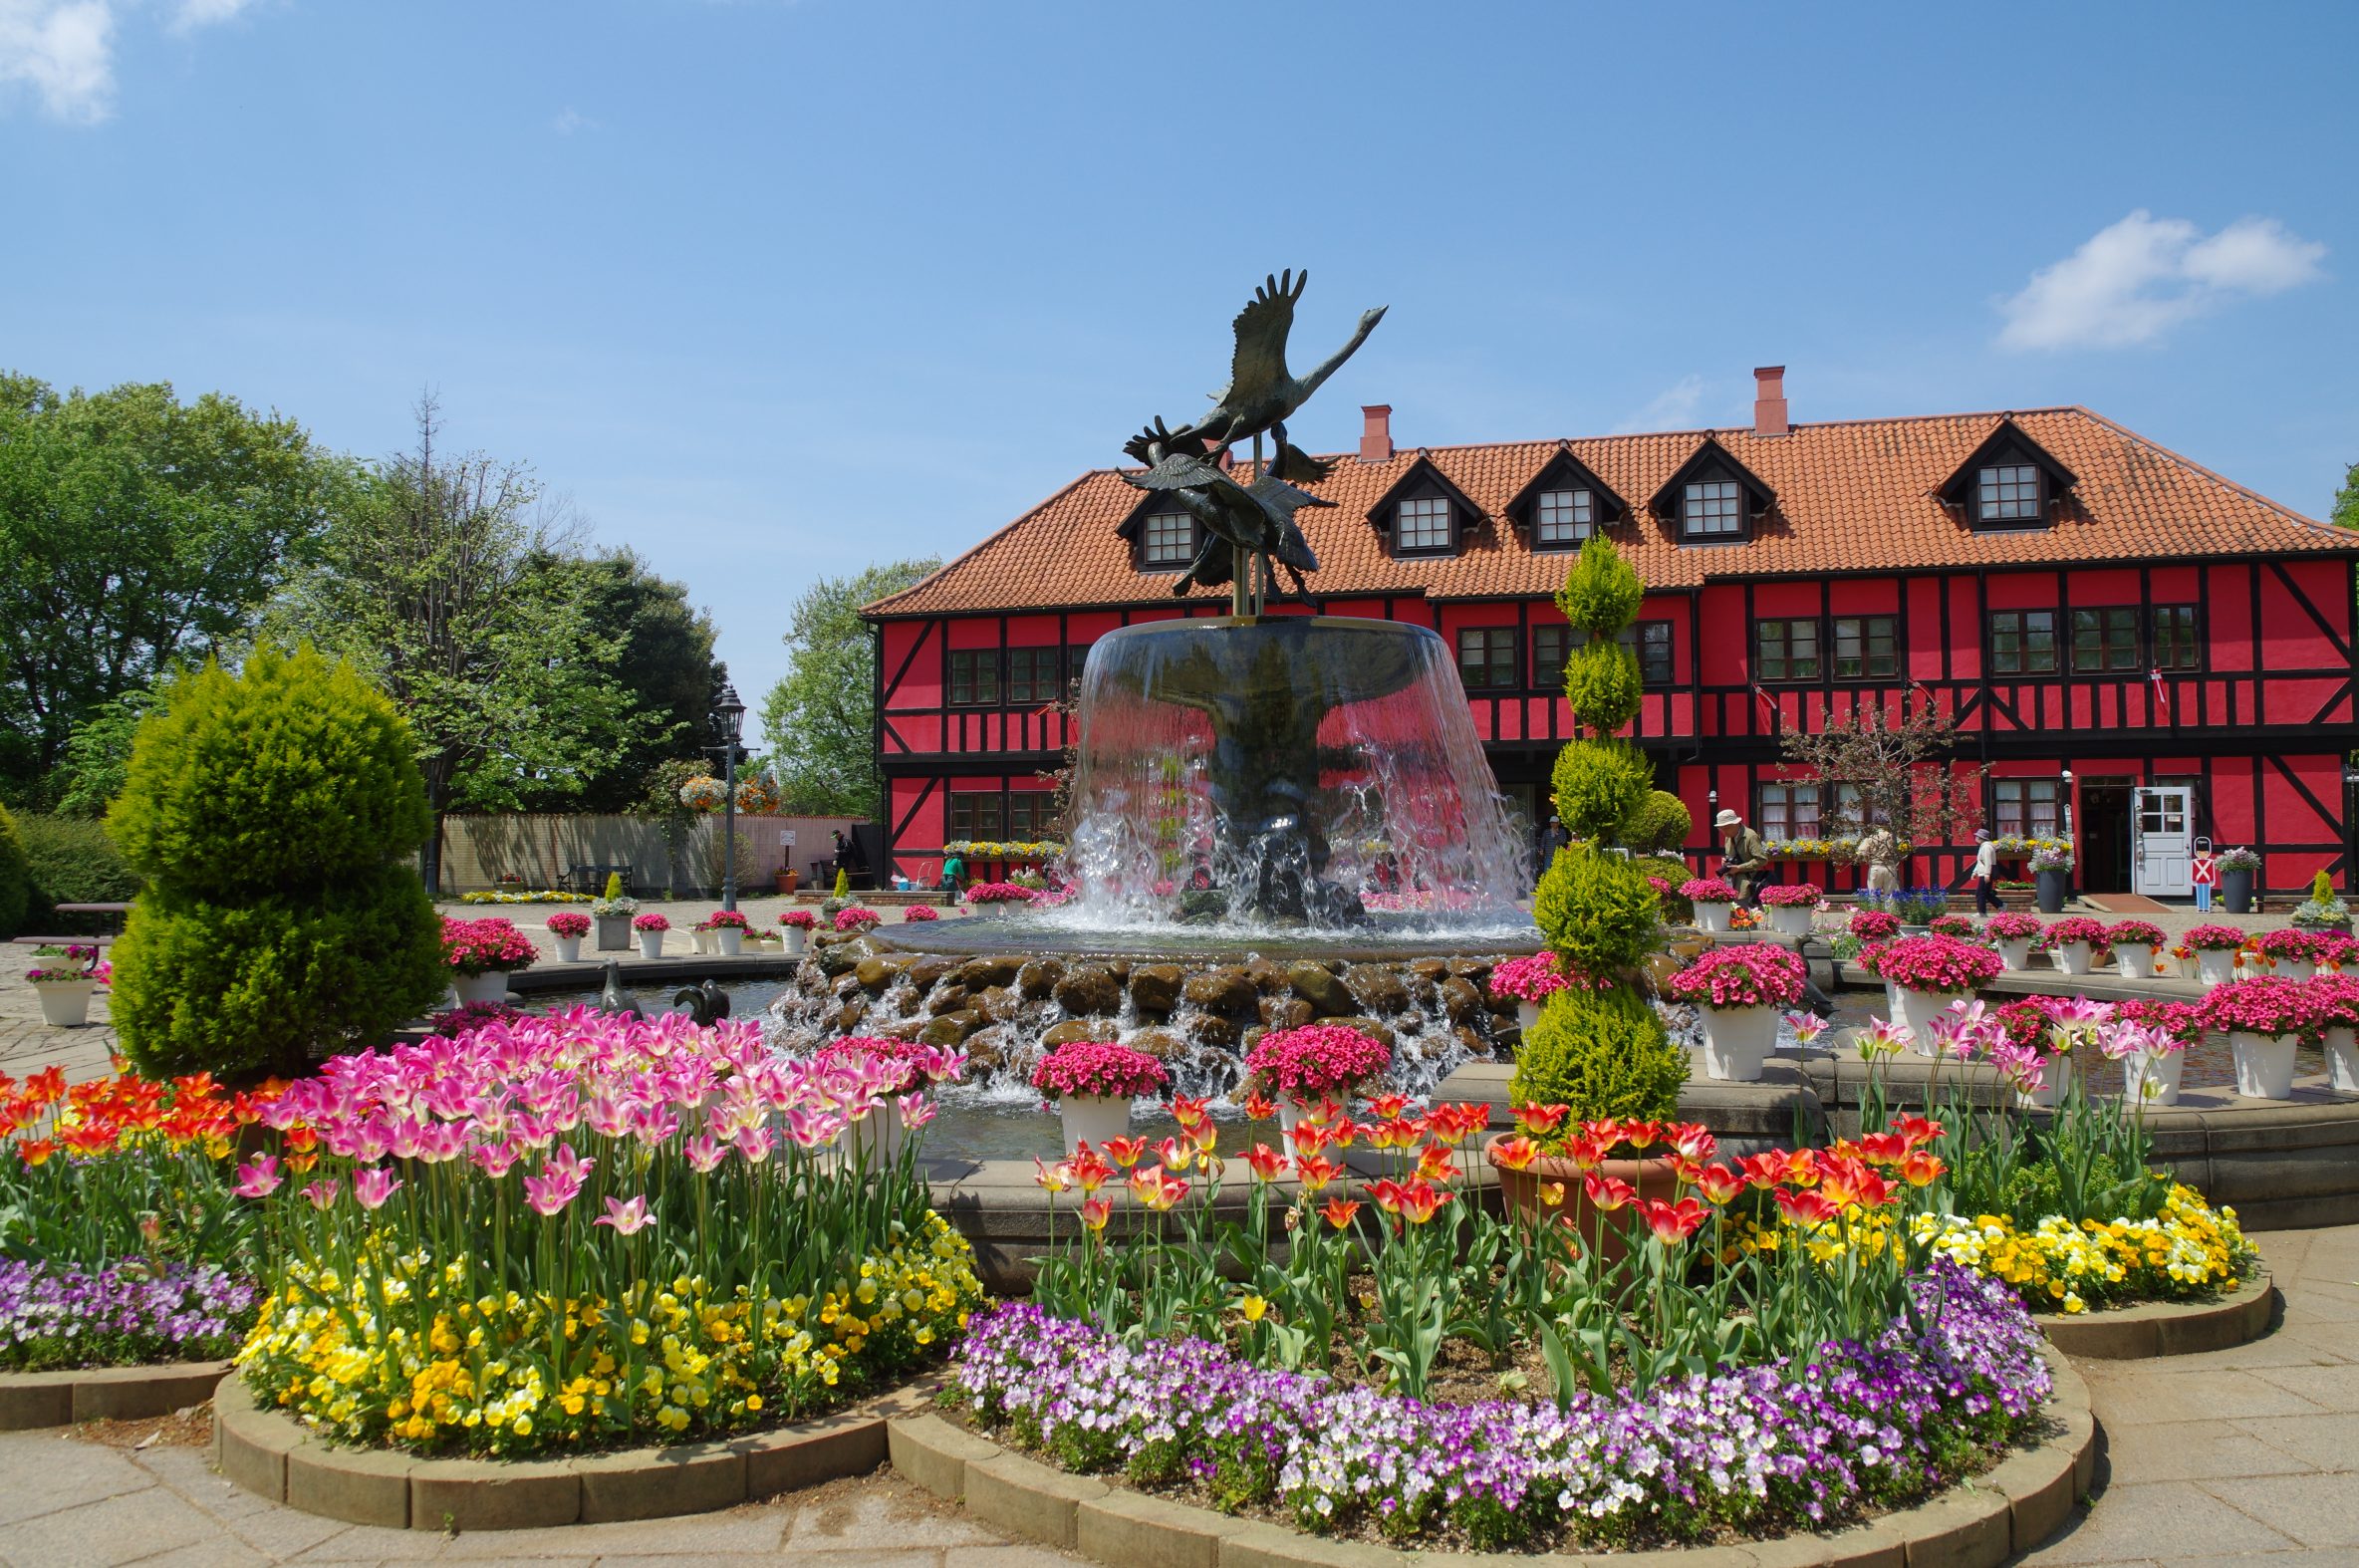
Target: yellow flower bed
(401, 1355)
(543, 896)
(2191, 1251)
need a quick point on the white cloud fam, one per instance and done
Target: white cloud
(63, 52)
(570, 121)
(2135, 281)
(1673, 409)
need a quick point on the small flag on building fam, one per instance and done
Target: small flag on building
(2154, 679)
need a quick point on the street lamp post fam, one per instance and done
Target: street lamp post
(730, 716)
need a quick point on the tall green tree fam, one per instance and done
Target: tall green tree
(819, 719)
(2346, 500)
(658, 647)
(136, 531)
(430, 584)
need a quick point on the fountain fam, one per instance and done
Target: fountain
(1275, 816)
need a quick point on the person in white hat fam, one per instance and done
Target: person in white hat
(1745, 859)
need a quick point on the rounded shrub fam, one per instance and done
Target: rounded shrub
(1601, 682)
(1597, 909)
(270, 813)
(1602, 592)
(1600, 787)
(290, 774)
(15, 878)
(1662, 822)
(1603, 1053)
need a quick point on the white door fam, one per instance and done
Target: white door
(2162, 841)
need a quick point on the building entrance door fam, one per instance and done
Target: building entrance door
(2161, 844)
(2105, 835)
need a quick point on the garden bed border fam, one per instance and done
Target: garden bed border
(30, 1400)
(2165, 1328)
(273, 1455)
(2013, 1506)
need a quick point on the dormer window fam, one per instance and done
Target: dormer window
(1169, 540)
(1422, 524)
(2008, 494)
(1562, 519)
(1714, 509)
(2011, 482)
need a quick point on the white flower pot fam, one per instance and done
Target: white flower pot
(1918, 1010)
(1738, 1041)
(569, 948)
(2072, 957)
(1715, 916)
(1527, 1016)
(2015, 955)
(2056, 1076)
(2342, 1061)
(2264, 1064)
(65, 1004)
(2152, 1077)
(650, 944)
(703, 941)
(731, 942)
(2215, 965)
(2135, 959)
(1791, 919)
(1093, 1118)
(798, 940)
(2296, 969)
(491, 987)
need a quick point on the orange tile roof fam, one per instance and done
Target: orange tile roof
(1852, 496)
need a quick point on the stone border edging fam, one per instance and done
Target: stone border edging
(61, 1398)
(2165, 1328)
(2007, 1509)
(273, 1457)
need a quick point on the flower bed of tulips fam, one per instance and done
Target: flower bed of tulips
(1785, 1444)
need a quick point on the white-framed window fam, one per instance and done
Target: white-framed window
(1562, 519)
(1715, 509)
(1790, 811)
(2009, 493)
(1171, 539)
(2026, 808)
(1424, 524)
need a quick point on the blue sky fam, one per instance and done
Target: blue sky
(773, 290)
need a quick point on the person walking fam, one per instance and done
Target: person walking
(1742, 856)
(1985, 871)
(1551, 841)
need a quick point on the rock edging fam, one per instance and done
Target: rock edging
(1984, 1521)
(272, 1454)
(62, 1398)
(2165, 1328)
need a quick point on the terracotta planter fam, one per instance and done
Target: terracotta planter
(1522, 1191)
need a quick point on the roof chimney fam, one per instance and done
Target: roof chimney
(1770, 400)
(1376, 432)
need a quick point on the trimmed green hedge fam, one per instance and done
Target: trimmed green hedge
(71, 861)
(15, 878)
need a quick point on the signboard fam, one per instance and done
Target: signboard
(786, 837)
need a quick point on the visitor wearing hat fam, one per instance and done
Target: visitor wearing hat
(1743, 857)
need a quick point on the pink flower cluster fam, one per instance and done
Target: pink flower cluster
(1315, 1060)
(506, 1093)
(902, 1066)
(1529, 979)
(650, 922)
(2266, 1006)
(798, 920)
(919, 912)
(481, 946)
(1706, 890)
(2299, 945)
(1099, 1067)
(856, 918)
(1747, 974)
(1936, 964)
(1000, 893)
(725, 920)
(568, 923)
(2074, 928)
(1960, 926)
(2179, 1023)
(2216, 938)
(1785, 897)
(1874, 925)
(2132, 933)
(2012, 926)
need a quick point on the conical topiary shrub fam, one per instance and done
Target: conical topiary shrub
(271, 813)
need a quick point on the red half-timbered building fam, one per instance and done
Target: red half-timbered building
(2136, 650)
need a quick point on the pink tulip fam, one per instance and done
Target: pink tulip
(550, 1191)
(628, 1218)
(322, 1191)
(915, 1111)
(259, 1176)
(373, 1185)
(704, 1154)
(493, 1160)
